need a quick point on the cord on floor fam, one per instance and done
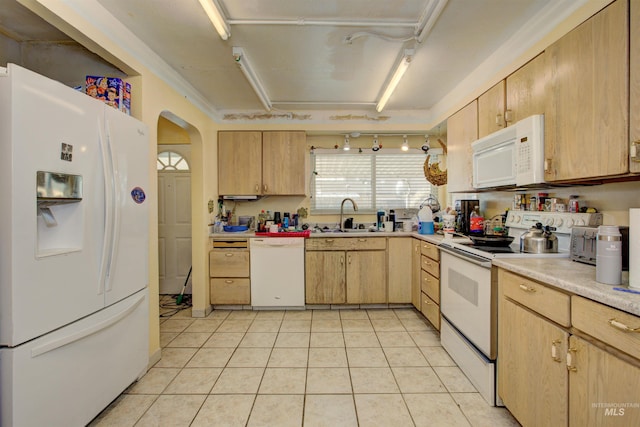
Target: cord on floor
(173, 307)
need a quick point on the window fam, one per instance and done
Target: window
(374, 180)
(171, 161)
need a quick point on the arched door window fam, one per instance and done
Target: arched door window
(171, 161)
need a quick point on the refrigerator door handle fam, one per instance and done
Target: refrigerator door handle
(116, 201)
(77, 336)
(107, 167)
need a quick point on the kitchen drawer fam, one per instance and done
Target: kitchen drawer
(345, 243)
(431, 311)
(611, 326)
(430, 250)
(430, 286)
(548, 302)
(430, 266)
(230, 291)
(229, 263)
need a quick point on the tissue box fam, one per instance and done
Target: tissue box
(111, 90)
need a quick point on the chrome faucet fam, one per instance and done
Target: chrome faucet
(355, 208)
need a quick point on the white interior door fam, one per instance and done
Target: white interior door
(174, 218)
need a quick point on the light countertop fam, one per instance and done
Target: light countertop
(574, 277)
(431, 238)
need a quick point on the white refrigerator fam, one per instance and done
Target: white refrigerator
(74, 320)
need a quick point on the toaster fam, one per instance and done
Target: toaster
(584, 243)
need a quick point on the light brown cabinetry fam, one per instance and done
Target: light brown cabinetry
(532, 375)
(261, 163)
(400, 271)
(416, 269)
(346, 270)
(526, 90)
(229, 272)
(587, 104)
(430, 282)
(462, 130)
(634, 84)
(580, 373)
(491, 108)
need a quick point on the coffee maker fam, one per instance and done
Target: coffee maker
(464, 209)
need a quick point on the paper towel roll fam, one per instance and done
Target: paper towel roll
(634, 248)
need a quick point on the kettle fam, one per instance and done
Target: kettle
(539, 240)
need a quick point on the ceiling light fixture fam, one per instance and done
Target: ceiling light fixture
(429, 17)
(427, 144)
(217, 18)
(245, 66)
(405, 143)
(395, 79)
(376, 143)
(346, 146)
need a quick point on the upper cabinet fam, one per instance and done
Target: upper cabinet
(587, 104)
(261, 163)
(634, 99)
(526, 90)
(519, 96)
(462, 130)
(491, 109)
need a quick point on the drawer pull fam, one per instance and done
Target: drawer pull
(428, 302)
(554, 350)
(329, 240)
(228, 254)
(362, 240)
(622, 326)
(570, 366)
(228, 282)
(527, 288)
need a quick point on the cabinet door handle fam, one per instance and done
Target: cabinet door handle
(570, 366)
(349, 259)
(527, 288)
(554, 350)
(264, 187)
(228, 282)
(257, 188)
(547, 165)
(228, 254)
(499, 121)
(508, 116)
(341, 260)
(622, 326)
(633, 153)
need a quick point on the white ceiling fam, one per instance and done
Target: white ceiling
(311, 67)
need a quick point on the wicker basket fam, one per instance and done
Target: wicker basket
(433, 173)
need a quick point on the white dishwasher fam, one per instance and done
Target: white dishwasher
(277, 272)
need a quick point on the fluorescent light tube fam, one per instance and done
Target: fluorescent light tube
(247, 70)
(214, 12)
(397, 76)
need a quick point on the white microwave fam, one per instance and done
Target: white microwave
(513, 156)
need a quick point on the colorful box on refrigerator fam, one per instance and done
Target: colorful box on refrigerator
(111, 90)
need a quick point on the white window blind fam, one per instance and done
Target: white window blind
(373, 180)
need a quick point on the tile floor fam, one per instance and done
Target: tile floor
(382, 367)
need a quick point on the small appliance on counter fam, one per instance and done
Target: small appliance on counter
(464, 208)
(402, 216)
(584, 244)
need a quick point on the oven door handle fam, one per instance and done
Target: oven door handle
(466, 256)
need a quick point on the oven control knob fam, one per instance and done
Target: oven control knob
(559, 222)
(570, 222)
(548, 221)
(580, 221)
(516, 218)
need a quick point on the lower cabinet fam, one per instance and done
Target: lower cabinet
(581, 370)
(400, 271)
(325, 281)
(346, 270)
(532, 375)
(430, 282)
(416, 293)
(229, 272)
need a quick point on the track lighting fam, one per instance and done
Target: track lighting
(427, 145)
(376, 144)
(346, 146)
(405, 143)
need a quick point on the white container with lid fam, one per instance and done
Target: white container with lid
(609, 255)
